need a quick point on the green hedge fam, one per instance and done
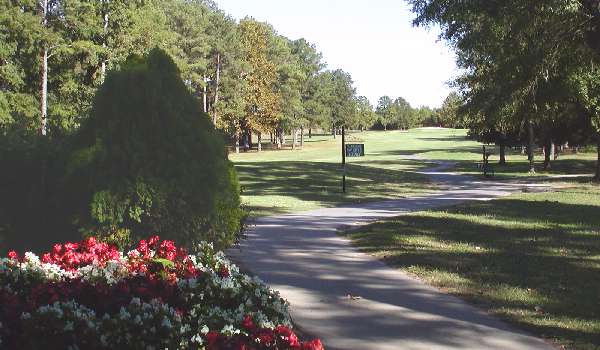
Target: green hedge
(146, 161)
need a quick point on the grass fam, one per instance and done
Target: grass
(532, 258)
(285, 181)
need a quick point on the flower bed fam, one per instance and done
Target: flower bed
(90, 295)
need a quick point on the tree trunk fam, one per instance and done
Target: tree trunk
(44, 93)
(204, 97)
(217, 82)
(547, 155)
(103, 66)
(237, 142)
(259, 141)
(44, 78)
(301, 137)
(282, 135)
(294, 139)
(310, 133)
(597, 177)
(334, 131)
(384, 127)
(530, 148)
(278, 139)
(502, 160)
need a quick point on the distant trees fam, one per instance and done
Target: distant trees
(248, 78)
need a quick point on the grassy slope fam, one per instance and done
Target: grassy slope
(290, 181)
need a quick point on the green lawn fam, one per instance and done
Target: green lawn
(284, 181)
(531, 258)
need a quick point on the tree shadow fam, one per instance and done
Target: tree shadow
(321, 183)
(551, 249)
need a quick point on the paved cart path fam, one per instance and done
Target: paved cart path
(315, 269)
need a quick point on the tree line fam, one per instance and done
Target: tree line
(251, 80)
(531, 70)
(399, 114)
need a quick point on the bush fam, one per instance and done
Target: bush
(149, 161)
(90, 295)
(33, 213)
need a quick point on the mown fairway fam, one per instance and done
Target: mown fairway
(532, 258)
(284, 181)
(290, 181)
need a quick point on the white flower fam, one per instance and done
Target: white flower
(197, 339)
(69, 326)
(166, 322)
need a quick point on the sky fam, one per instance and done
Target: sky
(373, 40)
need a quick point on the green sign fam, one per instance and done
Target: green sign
(355, 150)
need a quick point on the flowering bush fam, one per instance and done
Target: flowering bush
(90, 295)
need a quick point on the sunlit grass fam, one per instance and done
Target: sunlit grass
(284, 181)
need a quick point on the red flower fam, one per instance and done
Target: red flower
(248, 323)
(288, 336)
(224, 272)
(212, 337)
(153, 242)
(265, 337)
(13, 255)
(313, 345)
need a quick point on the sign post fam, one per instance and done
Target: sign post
(344, 159)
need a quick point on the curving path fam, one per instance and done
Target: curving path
(315, 269)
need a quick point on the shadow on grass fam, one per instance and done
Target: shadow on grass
(447, 138)
(410, 152)
(510, 254)
(520, 168)
(321, 183)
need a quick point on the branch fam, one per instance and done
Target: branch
(56, 47)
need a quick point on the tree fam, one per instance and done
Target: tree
(365, 116)
(384, 111)
(494, 46)
(340, 98)
(149, 160)
(402, 114)
(310, 64)
(262, 102)
(450, 112)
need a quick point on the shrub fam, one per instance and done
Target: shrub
(31, 193)
(149, 161)
(90, 295)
